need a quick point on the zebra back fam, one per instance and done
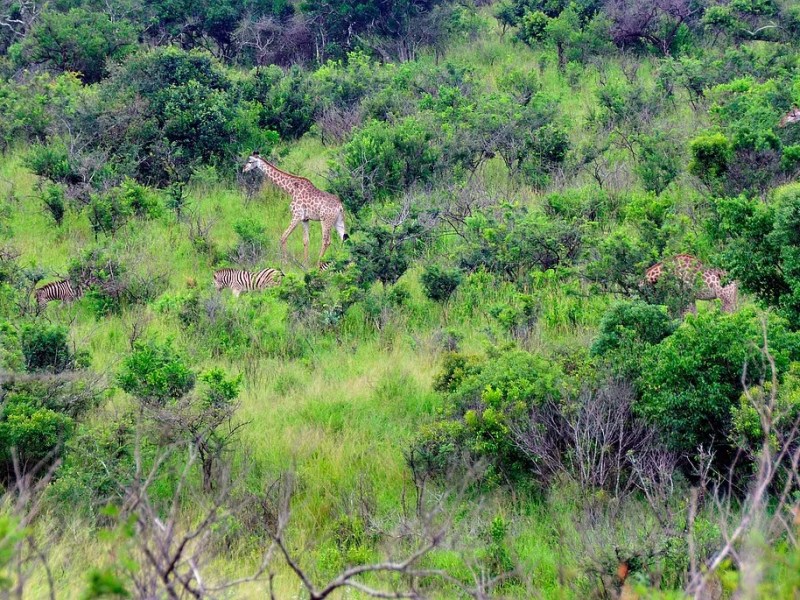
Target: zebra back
(236, 279)
(265, 278)
(57, 290)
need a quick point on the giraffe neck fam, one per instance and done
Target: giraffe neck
(286, 181)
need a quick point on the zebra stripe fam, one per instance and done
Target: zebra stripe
(57, 290)
(244, 281)
(324, 266)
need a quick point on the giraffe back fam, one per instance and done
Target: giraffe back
(687, 269)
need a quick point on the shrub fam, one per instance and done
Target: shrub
(691, 381)
(438, 283)
(383, 159)
(36, 433)
(762, 248)
(53, 198)
(46, 348)
(38, 419)
(711, 154)
(626, 330)
(383, 254)
(79, 40)
(658, 162)
(155, 374)
(484, 402)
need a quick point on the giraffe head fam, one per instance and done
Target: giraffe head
(253, 162)
(793, 116)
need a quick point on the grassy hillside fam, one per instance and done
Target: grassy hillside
(550, 425)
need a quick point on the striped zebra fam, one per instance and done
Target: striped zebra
(244, 281)
(324, 266)
(58, 290)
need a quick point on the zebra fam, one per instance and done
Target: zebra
(244, 281)
(324, 266)
(57, 290)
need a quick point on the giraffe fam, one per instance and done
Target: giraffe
(793, 116)
(309, 203)
(686, 268)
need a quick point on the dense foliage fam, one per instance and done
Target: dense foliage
(484, 339)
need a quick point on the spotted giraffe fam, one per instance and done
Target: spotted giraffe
(687, 268)
(309, 203)
(793, 116)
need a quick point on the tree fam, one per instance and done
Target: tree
(656, 23)
(691, 381)
(78, 40)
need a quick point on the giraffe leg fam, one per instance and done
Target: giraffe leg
(326, 238)
(305, 243)
(287, 233)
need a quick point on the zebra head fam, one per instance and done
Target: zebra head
(218, 283)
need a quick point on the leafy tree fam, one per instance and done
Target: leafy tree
(383, 253)
(155, 374)
(762, 248)
(438, 283)
(79, 40)
(691, 381)
(658, 162)
(711, 155)
(626, 331)
(483, 402)
(46, 348)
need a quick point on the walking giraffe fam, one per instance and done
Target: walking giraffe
(309, 203)
(686, 268)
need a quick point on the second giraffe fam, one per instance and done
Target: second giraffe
(309, 203)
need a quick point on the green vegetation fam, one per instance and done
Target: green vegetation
(479, 389)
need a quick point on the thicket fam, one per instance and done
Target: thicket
(503, 203)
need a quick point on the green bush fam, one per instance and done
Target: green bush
(762, 247)
(382, 160)
(34, 432)
(438, 283)
(79, 40)
(53, 198)
(691, 381)
(46, 348)
(155, 373)
(711, 154)
(658, 162)
(484, 400)
(626, 330)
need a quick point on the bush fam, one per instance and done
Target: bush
(762, 247)
(383, 254)
(79, 40)
(382, 160)
(46, 348)
(626, 330)
(34, 432)
(53, 198)
(711, 154)
(658, 162)
(155, 374)
(484, 401)
(438, 283)
(38, 419)
(691, 381)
